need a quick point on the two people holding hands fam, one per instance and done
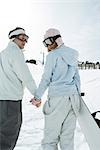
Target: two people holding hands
(60, 76)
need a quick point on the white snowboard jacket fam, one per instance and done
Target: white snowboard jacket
(14, 74)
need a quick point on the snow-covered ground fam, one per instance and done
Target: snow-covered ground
(33, 122)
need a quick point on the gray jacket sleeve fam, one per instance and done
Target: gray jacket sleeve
(22, 71)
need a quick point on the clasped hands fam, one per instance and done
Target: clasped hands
(35, 102)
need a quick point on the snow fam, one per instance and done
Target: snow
(33, 120)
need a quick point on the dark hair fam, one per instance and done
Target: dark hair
(13, 36)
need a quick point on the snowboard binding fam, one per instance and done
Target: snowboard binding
(96, 119)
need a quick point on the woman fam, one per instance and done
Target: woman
(62, 79)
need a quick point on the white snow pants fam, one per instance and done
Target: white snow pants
(60, 122)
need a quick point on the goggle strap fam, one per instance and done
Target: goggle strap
(52, 40)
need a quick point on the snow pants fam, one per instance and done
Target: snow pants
(10, 123)
(60, 122)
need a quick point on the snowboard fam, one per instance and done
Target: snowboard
(89, 127)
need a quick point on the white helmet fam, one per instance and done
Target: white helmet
(53, 33)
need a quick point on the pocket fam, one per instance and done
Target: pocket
(14, 108)
(76, 103)
(51, 105)
(45, 108)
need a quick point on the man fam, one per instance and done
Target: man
(62, 79)
(14, 74)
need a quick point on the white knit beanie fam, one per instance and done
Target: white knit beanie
(51, 33)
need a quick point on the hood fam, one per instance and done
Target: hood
(69, 55)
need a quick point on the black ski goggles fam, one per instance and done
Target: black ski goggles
(50, 40)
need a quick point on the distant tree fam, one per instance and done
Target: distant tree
(97, 65)
(88, 65)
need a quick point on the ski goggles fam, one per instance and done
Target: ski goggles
(23, 38)
(50, 40)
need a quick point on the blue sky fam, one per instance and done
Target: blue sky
(77, 20)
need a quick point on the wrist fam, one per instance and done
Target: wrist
(36, 99)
